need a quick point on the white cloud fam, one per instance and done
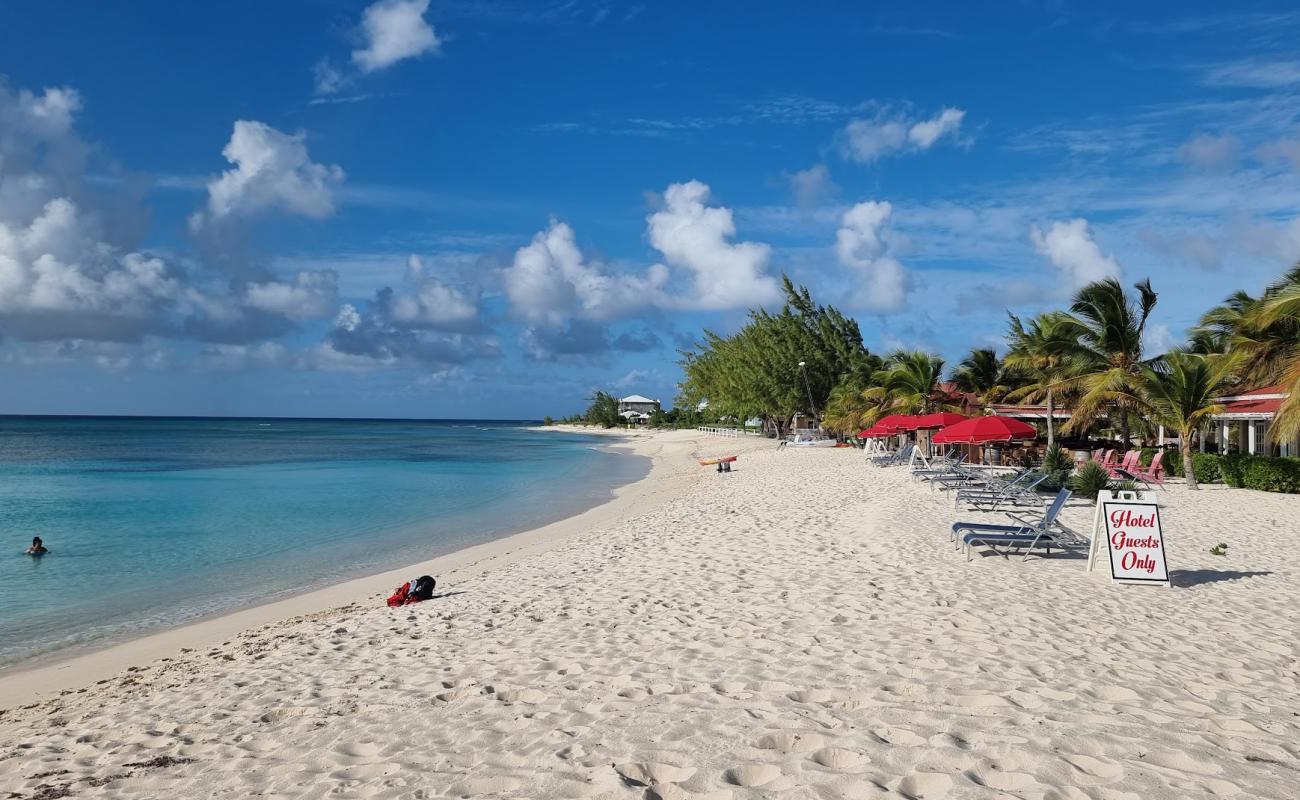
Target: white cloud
(868, 140)
(329, 79)
(1071, 249)
(394, 30)
(433, 304)
(695, 237)
(1254, 73)
(1157, 339)
(550, 280)
(1214, 152)
(811, 186)
(863, 244)
(272, 171)
(312, 294)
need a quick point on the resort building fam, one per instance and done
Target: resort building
(637, 409)
(1243, 424)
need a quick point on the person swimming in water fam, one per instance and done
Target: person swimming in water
(38, 547)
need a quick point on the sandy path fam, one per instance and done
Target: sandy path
(800, 628)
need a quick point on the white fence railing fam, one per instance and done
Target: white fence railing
(730, 433)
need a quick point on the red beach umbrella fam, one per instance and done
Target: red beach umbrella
(896, 423)
(941, 419)
(985, 429)
(873, 433)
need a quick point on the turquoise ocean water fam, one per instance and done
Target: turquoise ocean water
(156, 522)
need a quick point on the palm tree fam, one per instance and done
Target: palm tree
(1108, 328)
(1181, 395)
(983, 374)
(1044, 350)
(908, 384)
(1268, 341)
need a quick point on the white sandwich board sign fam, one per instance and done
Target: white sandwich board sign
(1129, 525)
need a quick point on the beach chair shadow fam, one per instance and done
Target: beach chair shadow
(1195, 577)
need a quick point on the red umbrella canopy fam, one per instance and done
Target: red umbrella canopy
(873, 433)
(985, 429)
(940, 420)
(895, 423)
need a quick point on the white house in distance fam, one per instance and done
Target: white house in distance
(636, 409)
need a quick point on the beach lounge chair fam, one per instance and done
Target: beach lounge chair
(888, 455)
(1108, 459)
(940, 468)
(1021, 533)
(901, 456)
(1021, 492)
(1130, 463)
(1154, 474)
(977, 479)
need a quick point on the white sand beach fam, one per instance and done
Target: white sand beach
(799, 628)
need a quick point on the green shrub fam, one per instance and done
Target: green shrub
(1091, 479)
(1269, 474)
(1148, 453)
(1057, 458)
(1206, 466)
(1230, 468)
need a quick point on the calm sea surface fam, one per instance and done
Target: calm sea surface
(156, 522)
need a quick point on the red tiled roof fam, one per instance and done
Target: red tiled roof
(1267, 406)
(1263, 390)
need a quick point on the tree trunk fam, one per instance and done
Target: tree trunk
(1123, 427)
(1051, 423)
(1185, 445)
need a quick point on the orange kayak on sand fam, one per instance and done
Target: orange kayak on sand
(709, 462)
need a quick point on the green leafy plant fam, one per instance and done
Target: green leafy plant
(1091, 480)
(1206, 467)
(1057, 458)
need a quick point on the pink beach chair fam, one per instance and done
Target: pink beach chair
(1154, 473)
(1130, 464)
(1108, 459)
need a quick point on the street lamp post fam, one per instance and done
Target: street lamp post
(803, 368)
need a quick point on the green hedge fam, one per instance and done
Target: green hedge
(1206, 466)
(1264, 473)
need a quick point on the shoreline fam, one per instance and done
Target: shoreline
(43, 677)
(802, 625)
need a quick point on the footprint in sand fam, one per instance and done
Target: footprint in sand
(751, 775)
(792, 742)
(359, 750)
(838, 758)
(898, 736)
(1116, 694)
(364, 772)
(1102, 769)
(649, 773)
(487, 785)
(925, 786)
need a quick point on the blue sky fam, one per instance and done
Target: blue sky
(488, 209)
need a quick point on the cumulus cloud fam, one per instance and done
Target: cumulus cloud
(1070, 248)
(312, 294)
(811, 186)
(394, 30)
(372, 336)
(61, 274)
(695, 237)
(71, 270)
(431, 303)
(863, 243)
(1211, 152)
(550, 280)
(272, 172)
(890, 133)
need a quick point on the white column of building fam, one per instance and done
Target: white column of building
(1250, 436)
(1160, 436)
(1223, 436)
